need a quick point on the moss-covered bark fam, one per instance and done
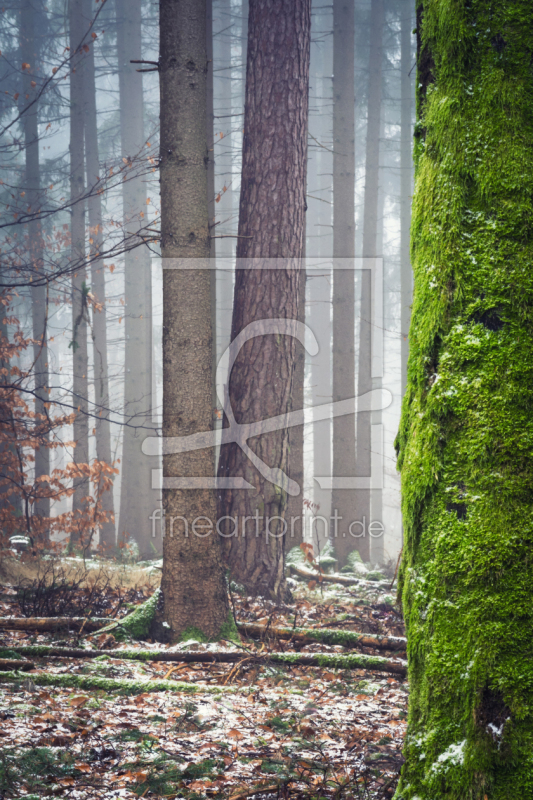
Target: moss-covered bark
(466, 438)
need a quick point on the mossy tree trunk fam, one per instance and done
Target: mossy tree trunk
(466, 438)
(193, 591)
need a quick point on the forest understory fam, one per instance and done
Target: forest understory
(253, 727)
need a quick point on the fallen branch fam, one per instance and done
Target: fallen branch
(7, 664)
(123, 686)
(322, 577)
(341, 661)
(273, 787)
(44, 624)
(325, 636)
(304, 635)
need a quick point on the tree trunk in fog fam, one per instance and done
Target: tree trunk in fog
(320, 243)
(99, 325)
(137, 499)
(295, 508)
(223, 109)
(194, 599)
(32, 187)
(210, 135)
(225, 195)
(343, 500)
(9, 455)
(79, 276)
(271, 226)
(370, 223)
(406, 165)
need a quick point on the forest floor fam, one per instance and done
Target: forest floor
(238, 730)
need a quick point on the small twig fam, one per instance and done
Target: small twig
(396, 570)
(230, 236)
(274, 787)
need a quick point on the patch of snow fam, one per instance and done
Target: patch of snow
(453, 756)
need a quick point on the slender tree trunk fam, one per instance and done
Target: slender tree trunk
(79, 276)
(370, 227)
(295, 503)
(137, 499)
(466, 430)
(320, 283)
(32, 187)
(194, 599)
(99, 325)
(406, 163)
(378, 547)
(271, 226)
(210, 136)
(343, 500)
(10, 502)
(224, 191)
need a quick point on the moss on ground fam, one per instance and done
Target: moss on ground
(466, 437)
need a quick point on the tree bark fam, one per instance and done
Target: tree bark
(32, 187)
(194, 598)
(271, 226)
(466, 429)
(99, 323)
(343, 500)
(137, 499)
(79, 275)
(370, 228)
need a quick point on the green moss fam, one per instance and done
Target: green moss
(7, 653)
(137, 624)
(124, 686)
(466, 436)
(227, 631)
(193, 633)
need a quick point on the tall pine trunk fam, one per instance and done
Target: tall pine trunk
(343, 500)
(466, 436)
(99, 324)
(33, 197)
(79, 274)
(370, 230)
(194, 600)
(271, 226)
(137, 499)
